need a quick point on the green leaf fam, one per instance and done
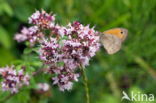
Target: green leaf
(5, 8)
(7, 57)
(4, 38)
(27, 50)
(60, 63)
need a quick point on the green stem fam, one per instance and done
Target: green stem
(85, 83)
(146, 66)
(113, 84)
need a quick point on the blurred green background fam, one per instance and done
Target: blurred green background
(131, 69)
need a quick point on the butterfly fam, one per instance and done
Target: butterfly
(112, 39)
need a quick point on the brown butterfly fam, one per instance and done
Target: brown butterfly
(112, 39)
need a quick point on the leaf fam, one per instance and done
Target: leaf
(5, 8)
(4, 38)
(7, 57)
(27, 50)
(60, 63)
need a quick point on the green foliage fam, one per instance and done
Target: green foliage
(21, 97)
(5, 8)
(4, 38)
(133, 66)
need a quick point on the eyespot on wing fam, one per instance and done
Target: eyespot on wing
(119, 32)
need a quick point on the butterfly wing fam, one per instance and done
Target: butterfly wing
(111, 43)
(119, 32)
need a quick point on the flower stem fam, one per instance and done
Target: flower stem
(85, 83)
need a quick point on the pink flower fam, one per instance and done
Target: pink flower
(30, 34)
(64, 81)
(43, 87)
(48, 51)
(20, 38)
(12, 79)
(42, 19)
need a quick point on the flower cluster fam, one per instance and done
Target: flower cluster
(31, 34)
(12, 79)
(42, 19)
(74, 46)
(63, 48)
(34, 34)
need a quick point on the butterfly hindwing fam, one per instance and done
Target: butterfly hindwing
(111, 43)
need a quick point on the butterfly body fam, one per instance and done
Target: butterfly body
(112, 39)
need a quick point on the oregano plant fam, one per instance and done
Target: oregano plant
(61, 52)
